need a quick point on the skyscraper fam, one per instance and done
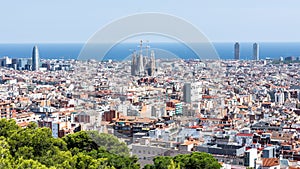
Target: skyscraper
(255, 51)
(237, 51)
(35, 58)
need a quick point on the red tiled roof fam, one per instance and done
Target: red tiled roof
(269, 162)
(244, 134)
(195, 127)
(208, 97)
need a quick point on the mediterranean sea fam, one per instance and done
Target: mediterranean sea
(273, 50)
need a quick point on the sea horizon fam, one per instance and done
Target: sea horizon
(225, 50)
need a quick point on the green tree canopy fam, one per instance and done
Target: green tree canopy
(92, 140)
(195, 160)
(8, 127)
(34, 147)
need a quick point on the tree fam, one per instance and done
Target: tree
(8, 127)
(34, 147)
(162, 162)
(92, 140)
(28, 164)
(173, 165)
(39, 139)
(25, 152)
(37, 144)
(118, 161)
(5, 156)
(110, 142)
(80, 140)
(195, 160)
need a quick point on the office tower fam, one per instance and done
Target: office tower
(22, 63)
(28, 65)
(35, 58)
(6, 61)
(187, 92)
(255, 51)
(237, 51)
(14, 64)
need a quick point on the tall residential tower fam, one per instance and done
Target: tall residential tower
(35, 59)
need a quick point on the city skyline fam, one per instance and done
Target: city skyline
(55, 21)
(150, 84)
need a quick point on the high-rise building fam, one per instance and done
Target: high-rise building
(255, 51)
(22, 63)
(35, 58)
(237, 51)
(187, 92)
(6, 61)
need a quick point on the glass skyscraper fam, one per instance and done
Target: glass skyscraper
(255, 51)
(35, 58)
(237, 51)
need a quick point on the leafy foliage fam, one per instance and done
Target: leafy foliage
(33, 147)
(91, 140)
(195, 160)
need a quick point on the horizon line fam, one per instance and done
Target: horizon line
(75, 42)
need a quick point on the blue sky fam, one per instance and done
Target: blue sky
(36, 21)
